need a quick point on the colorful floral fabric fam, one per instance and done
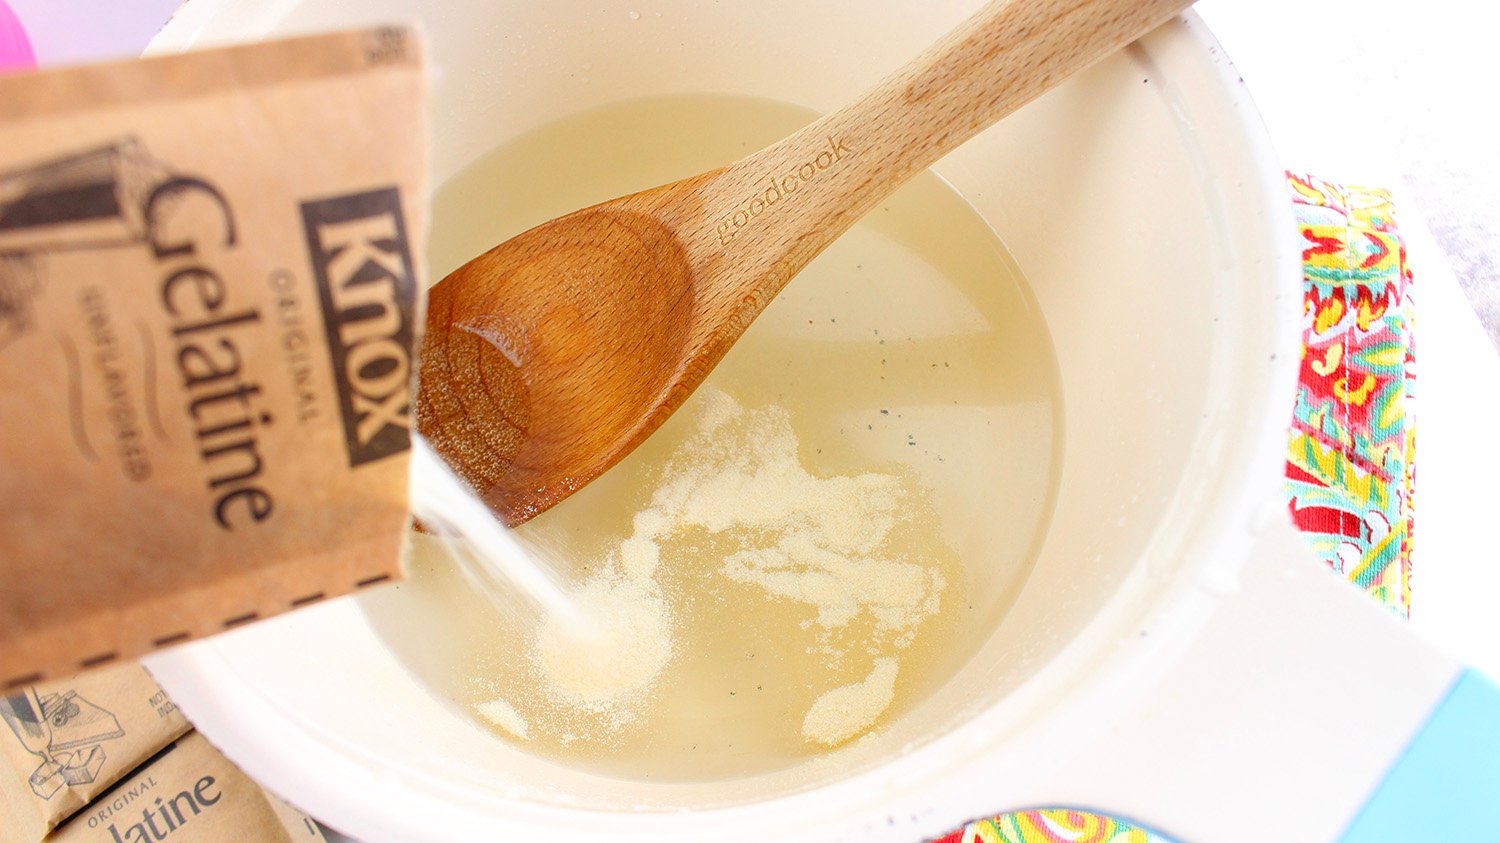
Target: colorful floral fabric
(1349, 467)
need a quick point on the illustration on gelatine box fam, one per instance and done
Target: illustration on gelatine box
(93, 199)
(65, 731)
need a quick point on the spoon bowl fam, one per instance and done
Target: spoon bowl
(508, 394)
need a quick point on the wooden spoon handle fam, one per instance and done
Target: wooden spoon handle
(777, 209)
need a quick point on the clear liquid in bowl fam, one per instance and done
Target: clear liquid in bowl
(903, 385)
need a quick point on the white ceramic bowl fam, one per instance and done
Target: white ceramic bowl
(1143, 204)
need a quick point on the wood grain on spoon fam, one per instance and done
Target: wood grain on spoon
(553, 355)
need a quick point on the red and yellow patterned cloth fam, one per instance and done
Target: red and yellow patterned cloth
(1052, 825)
(1349, 468)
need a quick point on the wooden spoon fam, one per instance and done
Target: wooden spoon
(553, 355)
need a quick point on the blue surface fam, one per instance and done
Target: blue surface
(1446, 786)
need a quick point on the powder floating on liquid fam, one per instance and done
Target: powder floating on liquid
(738, 482)
(619, 655)
(844, 712)
(804, 538)
(504, 715)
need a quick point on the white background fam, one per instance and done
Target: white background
(1387, 92)
(1397, 93)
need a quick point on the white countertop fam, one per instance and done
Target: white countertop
(1360, 91)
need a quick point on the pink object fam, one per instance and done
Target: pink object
(15, 47)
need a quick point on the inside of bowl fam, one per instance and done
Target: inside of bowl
(1110, 193)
